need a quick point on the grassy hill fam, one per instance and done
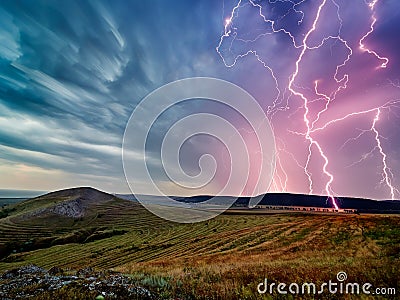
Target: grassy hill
(223, 258)
(70, 216)
(87, 197)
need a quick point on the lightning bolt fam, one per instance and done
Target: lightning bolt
(372, 27)
(312, 141)
(386, 170)
(387, 174)
(281, 102)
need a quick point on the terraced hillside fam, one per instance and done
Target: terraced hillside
(223, 258)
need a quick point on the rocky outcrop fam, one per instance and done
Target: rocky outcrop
(71, 208)
(32, 281)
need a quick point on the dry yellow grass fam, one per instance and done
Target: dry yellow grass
(293, 248)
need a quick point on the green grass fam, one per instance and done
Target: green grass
(5, 212)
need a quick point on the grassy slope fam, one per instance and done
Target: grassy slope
(89, 195)
(222, 258)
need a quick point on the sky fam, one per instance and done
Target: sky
(326, 74)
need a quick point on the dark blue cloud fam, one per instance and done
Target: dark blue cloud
(73, 71)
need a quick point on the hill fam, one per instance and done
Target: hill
(67, 216)
(287, 199)
(75, 203)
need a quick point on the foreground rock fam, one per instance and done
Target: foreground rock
(37, 283)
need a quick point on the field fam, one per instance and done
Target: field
(223, 258)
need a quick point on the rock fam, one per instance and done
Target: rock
(72, 209)
(30, 281)
(30, 269)
(85, 272)
(55, 271)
